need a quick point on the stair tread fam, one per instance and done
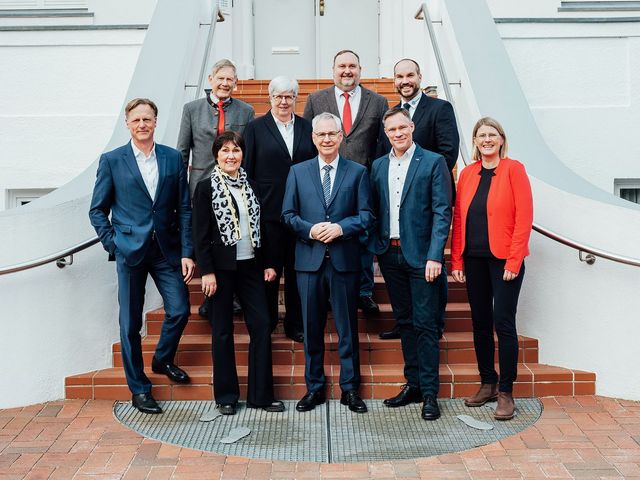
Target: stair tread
(450, 340)
(527, 373)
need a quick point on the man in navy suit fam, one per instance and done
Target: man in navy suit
(411, 192)
(435, 130)
(144, 187)
(327, 205)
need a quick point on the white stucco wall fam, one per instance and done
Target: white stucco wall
(59, 101)
(582, 82)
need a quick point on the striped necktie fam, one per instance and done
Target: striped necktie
(326, 184)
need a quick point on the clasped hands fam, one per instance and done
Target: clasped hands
(326, 232)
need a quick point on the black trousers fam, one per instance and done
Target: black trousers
(248, 283)
(417, 307)
(293, 310)
(493, 304)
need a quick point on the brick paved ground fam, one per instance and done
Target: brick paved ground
(577, 437)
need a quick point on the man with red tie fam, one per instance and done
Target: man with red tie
(204, 119)
(361, 112)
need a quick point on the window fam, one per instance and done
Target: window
(22, 196)
(627, 188)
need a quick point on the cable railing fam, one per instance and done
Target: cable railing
(586, 253)
(63, 258)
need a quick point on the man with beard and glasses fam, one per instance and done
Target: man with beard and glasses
(435, 130)
(361, 112)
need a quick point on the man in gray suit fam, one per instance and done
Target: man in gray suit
(361, 112)
(203, 120)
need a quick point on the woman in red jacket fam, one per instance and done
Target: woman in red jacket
(491, 228)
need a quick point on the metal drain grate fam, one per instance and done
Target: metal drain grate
(330, 433)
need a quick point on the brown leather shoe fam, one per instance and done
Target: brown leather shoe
(506, 406)
(488, 393)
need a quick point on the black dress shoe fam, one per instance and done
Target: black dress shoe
(310, 401)
(407, 395)
(237, 308)
(367, 305)
(227, 408)
(274, 407)
(203, 310)
(430, 409)
(145, 403)
(172, 371)
(353, 400)
(392, 334)
(295, 336)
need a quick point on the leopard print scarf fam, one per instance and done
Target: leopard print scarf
(223, 209)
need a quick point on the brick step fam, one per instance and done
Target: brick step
(457, 319)
(195, 350)
(457, 291)
(378, 382)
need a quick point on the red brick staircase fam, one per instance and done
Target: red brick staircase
(381, 360)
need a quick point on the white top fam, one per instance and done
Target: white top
(413, 103)
(354, 100)
(332, 172)
(244, 248)
(286, 130)
(398, 167)
(148, 168)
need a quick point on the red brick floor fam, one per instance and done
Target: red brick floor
(577, 437)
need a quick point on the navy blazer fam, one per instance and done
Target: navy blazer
(349, 206)
(425, 208)
(267, 160)
(120, 190)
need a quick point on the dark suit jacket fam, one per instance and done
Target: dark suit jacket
(120, 190)
(349, 206)
(436, 130)
(211, 253)
(361, 143)
(267, 160)
(425, 208)
(198, 131)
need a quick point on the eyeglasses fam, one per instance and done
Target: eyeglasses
(490, 136)
(286, 98)
(330, 135)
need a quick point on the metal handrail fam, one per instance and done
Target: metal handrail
(65, 257)
(592, 252)
(59, 257)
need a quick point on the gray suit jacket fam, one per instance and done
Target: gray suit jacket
(198, 131)
(361, 143)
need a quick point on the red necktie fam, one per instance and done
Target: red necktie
(220, 117)
(346, 114)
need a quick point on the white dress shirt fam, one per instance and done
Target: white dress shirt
(286, 130)
(244, 247)
(148, 168)
(413, 103)
(354, 100)
(398, 167)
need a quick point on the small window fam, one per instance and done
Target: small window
(21, 196)
(627, 188)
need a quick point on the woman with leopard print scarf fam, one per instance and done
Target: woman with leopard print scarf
(234, 258)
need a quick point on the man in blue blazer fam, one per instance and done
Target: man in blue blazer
(144, 187)
(411, 192)
(327, 205)
(435, 130)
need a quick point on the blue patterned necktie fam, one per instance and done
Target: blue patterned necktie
(326, 184)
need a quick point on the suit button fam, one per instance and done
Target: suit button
(327, 217)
